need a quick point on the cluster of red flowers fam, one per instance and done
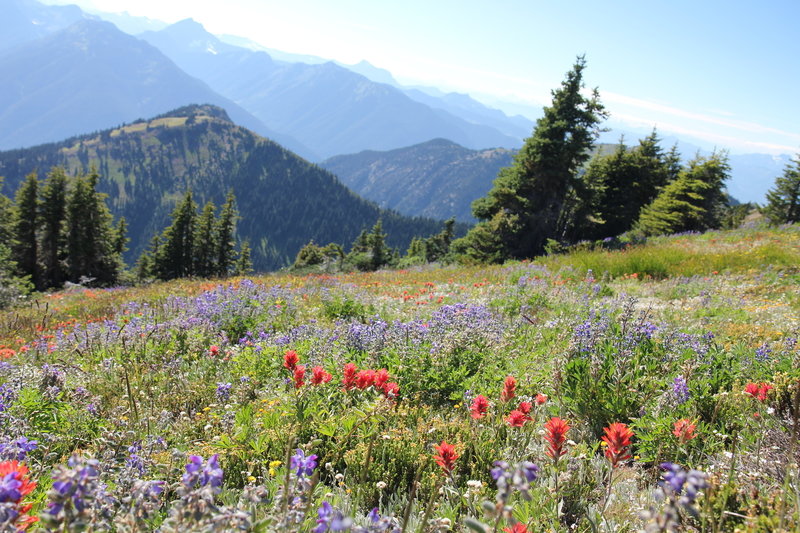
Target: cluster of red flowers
(516, 418)
(758, 390)
(446, 457)
(364, 379)
(5, 353)
(12, 472)
(618, 439)
(213, 350)
(318, 374)
(684, 430)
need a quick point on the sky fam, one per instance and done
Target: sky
(723, 72)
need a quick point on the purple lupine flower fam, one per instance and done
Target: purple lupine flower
(201, 473)
(17, 449)
(763, 351)
(685, 484)
(304, 464)
(74, 486)
(9, 488)
(331, 520)
(223, 391)
(680, 389)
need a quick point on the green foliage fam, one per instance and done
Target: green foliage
(694, 201)
(244, 265)
(369, 251)
(176, 255)
(91, 238)
(53, 214)
(528, 200)
(24, 223)
(224, 236)
(783, 200)
(616, 188)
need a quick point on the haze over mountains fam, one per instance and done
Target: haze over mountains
(67, 73)
(418, 180)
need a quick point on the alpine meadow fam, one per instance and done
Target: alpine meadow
(246, 289)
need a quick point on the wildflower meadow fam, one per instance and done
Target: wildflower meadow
(651, 388)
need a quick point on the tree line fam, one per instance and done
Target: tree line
(60, 230)
(196, 245)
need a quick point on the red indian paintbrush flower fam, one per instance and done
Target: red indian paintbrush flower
(381, 377)
(213, 350)
(555, 433)
(758, 390)
(525, 407)
(365, 379)
(349, 379)
(391, 389)
(617, 438)
(290, 359)
(684, 430)
(517, 418)
(480, 404)
(447, 456)
(299, 376)
(319, 376)
(509, 389)
(519, 527)
(541, 399)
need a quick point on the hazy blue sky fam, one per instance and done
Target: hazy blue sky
(727, 72)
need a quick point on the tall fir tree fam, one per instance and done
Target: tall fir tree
(244, 265)
(24, 224)
(175, 256)
(225, 236)
(526, 204)
(380, 253)
(90, 233)
(205, 242)
(783, 200)
(53, 215)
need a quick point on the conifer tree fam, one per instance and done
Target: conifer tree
(175, 255)
(783, 200)
(224, 236)
(526, 205)
(53, 214)
(90, 233)
(24, 223)
(694, 201)
(205, 242)
(377, 246)
(244, 265)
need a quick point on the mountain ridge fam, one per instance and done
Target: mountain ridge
(146, 166)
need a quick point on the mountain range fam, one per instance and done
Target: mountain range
(325, 106)
(284, 201)
(438, 178)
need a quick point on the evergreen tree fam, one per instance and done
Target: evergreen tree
(175, 255)
(244, 265)
(120, 242)
(526, 205)
(224, 236)
(6, 214)
(377, 246)
(783, 200)
(694, 201)
(205, 242)
(53, 215)
(90, 233)
(617, 186)
(24, 223)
